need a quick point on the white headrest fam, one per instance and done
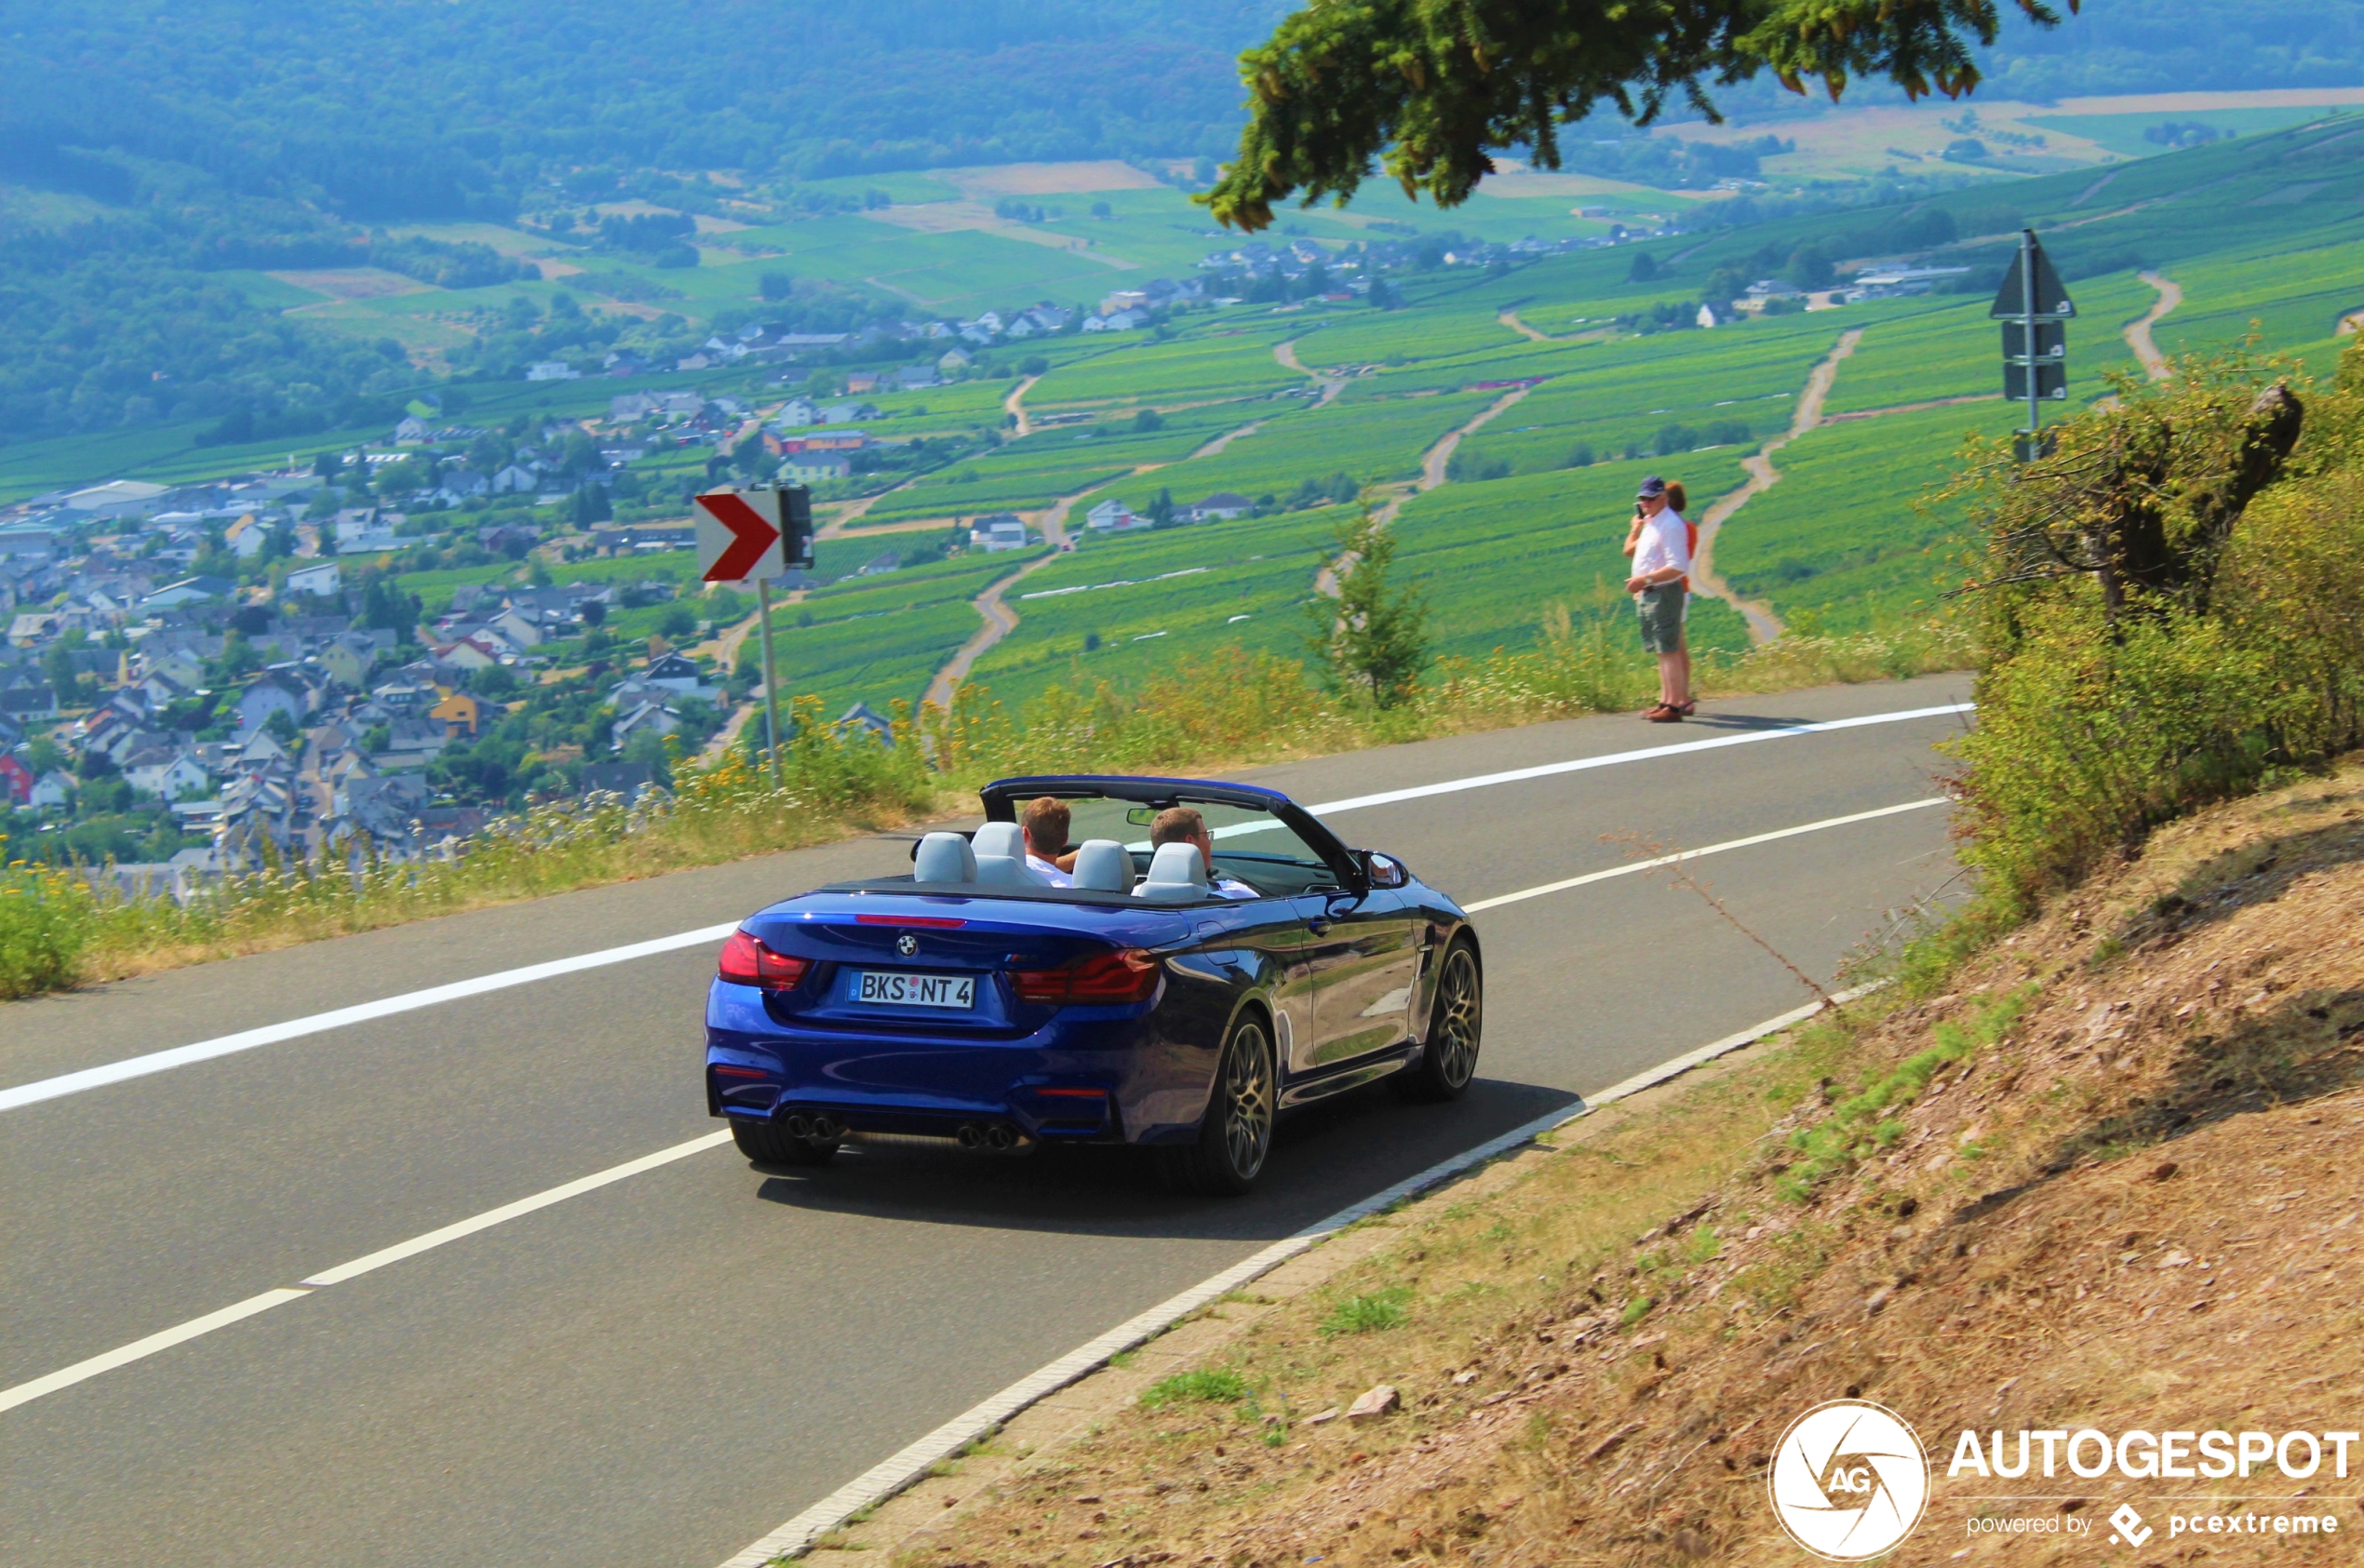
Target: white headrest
(1008, 871)
(1103, 865)
(999, 839)
(944, 857)
(1177, 875)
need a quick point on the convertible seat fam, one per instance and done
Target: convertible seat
(1177, 875)
(1000, 857)
(944, 857)
(1103, 865)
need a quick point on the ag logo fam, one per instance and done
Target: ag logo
(1850, 1480)
(907, 944)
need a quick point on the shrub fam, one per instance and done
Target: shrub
(47, 919)
(2169, 613)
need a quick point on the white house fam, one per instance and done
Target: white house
(1223, 505)
(808, 468)
(265, 697)
(247, 537)
(552, 371)
(411, 430)
(363, 530)
(51, 789)
(1003, 530)
(1114, 517)
(169, 780)
(318, 581)
(797, 413)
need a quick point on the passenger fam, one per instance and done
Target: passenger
(1180, 825)
(1046, 822)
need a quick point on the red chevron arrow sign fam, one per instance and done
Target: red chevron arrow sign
(739, 536)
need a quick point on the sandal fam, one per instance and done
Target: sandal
(1665, 713)
(1687, 709)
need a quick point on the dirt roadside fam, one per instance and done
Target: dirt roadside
(2109, 1180)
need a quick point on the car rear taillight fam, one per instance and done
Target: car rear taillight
(1104, 979)
(746, 961)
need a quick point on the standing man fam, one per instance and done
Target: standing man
(1659, 543)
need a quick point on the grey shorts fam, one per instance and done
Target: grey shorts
(1663, 609)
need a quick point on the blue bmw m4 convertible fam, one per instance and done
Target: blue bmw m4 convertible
(1176, 998)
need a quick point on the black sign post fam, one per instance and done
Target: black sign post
(2033, 308)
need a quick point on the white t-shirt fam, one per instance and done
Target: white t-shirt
(1048, 870)
(1665, 541)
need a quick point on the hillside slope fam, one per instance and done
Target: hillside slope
(2111, 1181)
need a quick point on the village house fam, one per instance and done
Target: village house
(1003, 530)
(318, 581)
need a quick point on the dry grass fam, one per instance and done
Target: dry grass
(2112, 1181)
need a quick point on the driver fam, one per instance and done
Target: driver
(1046, 822)
(1180, 825)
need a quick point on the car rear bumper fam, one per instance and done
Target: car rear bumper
(1125, 1086)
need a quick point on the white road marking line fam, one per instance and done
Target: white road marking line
(206, 1050)
(899, 1471)
(1584, 764)
(1640, 865)
(140, 1349)
(272, 1034)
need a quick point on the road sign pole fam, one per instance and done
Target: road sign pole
(2027, 331)
(771, 678)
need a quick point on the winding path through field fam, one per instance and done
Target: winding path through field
(1510, 319)
(2138, 332)
(1330, 381)
(999, 619)
(1433, 464)
(1763, 626)
(1014, 406)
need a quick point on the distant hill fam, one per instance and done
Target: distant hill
(418, 109)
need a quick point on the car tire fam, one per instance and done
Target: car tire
(768, 1145)
(1457, 1020)
(1236, 1136)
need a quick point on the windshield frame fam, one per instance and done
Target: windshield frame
(1003, 798)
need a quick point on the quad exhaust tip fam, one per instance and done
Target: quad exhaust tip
(978, 1137)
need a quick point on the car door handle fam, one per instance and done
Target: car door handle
(1319, 928)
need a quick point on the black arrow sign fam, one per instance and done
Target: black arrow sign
(2051, 295)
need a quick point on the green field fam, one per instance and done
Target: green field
(2258, 232)
(1145, 600)
(877, 638)
(1842, 543)
(1495, 558)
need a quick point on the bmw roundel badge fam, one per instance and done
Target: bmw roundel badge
(907, 944)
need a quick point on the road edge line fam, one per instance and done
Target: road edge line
(911, 1463)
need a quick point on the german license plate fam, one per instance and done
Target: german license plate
(887, 988)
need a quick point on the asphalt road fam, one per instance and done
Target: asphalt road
(656, 1372)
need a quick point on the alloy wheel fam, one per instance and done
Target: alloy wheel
(1454, 1036)
(1248, 1095)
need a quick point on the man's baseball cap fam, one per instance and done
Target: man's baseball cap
(1653, 486)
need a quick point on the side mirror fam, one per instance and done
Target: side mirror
(1384, 871)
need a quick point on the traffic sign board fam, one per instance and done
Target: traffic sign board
(2051, 340)
(2050, 296)
(740, 536)
(2051, 380)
